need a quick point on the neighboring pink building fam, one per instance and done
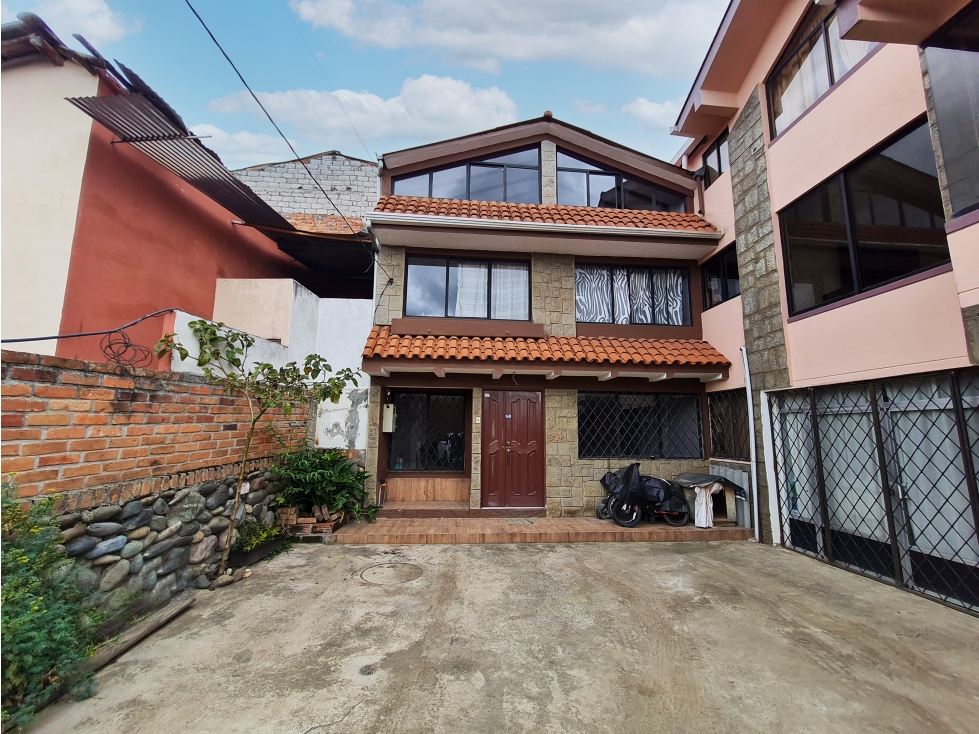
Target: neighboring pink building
(837, 148)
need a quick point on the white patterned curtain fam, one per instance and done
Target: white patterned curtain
(670, 297)
(511, 291)
(470, 300)
(620, 294)
(641, 296)
(593, 294)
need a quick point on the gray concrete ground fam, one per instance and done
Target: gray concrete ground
(631, 637)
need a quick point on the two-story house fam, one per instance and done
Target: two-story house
(538, 322)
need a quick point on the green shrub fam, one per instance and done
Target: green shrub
(328, 479)
(45, 633)
(252, 534)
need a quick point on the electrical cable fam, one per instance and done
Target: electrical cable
(327, 80)
(87, 333)
(370, 248)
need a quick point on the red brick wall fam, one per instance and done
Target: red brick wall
(95, 433)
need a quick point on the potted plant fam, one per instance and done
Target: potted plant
(254, 542)
(326, 485)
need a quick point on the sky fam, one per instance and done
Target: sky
(367, 77)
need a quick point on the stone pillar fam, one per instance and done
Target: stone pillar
(373, 437)
(548, 172)
(390, 296)
(475, 481)
(552, 279)
(760, 282)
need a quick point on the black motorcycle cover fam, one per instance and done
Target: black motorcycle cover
(625, 485)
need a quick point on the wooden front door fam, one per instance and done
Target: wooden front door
(513, 449)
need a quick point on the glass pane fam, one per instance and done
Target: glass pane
(593, 294)
(845, 54)
(601, 191)
(522, 158)
(725, 151)
(897, 205)
(637, 195)
(731, 277)
(712, 166)
(511, 291)
(713, 282)
(671, 297)
(640, 296)
(566, 161)
(468, 283)
(523, 185)
(429, 433)
(414, 186)
(817, 247)
(449, 184)
(426, 287)
(485, 183)
(620, 294)
(665, 200)
(955, 88)
(799, 83)
(571, 188)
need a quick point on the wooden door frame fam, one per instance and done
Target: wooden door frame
(542, 435)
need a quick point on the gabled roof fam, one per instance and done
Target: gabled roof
(307, 159)
(544, 213)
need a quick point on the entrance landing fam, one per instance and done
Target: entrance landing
(524, 530)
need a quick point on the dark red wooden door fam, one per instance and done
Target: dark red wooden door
(513, 449)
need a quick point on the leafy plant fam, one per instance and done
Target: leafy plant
(253, 534)
(45, 632)
(222, 354)
(328, 479)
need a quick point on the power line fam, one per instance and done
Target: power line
(369, 248)
(327, 80)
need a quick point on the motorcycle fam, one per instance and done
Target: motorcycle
(630, 497)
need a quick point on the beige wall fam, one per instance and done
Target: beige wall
(44, 148)
(719, 209)
(963, 246)
(724, 330)
(259, 306)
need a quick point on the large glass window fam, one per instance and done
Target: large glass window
(720, 277)
(467, 289)
(429, 432)
(627, 295)
(580, 183)
(816, 59)
(878, 221)
(615, 425)
(716, 159)
(511, 177)
(953, 65)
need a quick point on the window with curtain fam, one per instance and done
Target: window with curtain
(879, 220)
(816, 58)
(512, 177)
(629, 295)
(581, 183)
(467, 289)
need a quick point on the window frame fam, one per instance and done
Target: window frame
(604, 170)
(610, 267)
(851, 229)
(714, 149)
(719, 256)
(489, 262)
(479, 162)
(388, 445)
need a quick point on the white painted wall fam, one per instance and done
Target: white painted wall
(44, 147)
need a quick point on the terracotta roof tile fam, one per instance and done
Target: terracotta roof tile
(324, 223)
(600, 350)
(550, 213)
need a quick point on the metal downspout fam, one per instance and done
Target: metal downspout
(752, 445)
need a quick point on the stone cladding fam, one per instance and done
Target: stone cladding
(552, 293)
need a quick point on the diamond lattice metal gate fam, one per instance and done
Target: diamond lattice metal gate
(880, 478)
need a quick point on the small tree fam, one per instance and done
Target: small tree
(223, 356)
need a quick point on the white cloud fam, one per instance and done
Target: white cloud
(654, 115)
(93, 19)
(641, 36)
(241, 149)
(428, 108)
(6, 15)
(586, 105)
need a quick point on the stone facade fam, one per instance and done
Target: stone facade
(548, 172)
(390, 295)
(552, 293)
(350, 182)
(373, 436)
(761, 289)
(476, 481)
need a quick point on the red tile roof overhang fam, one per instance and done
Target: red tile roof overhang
(605, 358)
(416, 222)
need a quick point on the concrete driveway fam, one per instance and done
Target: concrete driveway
(604, 637)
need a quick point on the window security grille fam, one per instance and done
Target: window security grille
(429, 434)
(728, 412)
(880, 478)
(614, 425)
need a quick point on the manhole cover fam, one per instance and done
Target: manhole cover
(391, 573)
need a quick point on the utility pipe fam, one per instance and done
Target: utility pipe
(752, 445)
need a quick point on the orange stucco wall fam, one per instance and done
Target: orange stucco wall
(145, 240)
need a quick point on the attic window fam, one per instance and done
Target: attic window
(582, 183)
(512, 177)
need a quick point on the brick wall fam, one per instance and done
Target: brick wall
(351, 183)
(97, 434)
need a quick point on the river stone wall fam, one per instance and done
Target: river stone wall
(138, 554)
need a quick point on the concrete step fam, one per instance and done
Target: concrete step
(422, 510)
